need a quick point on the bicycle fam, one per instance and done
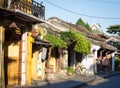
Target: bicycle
(81, 70)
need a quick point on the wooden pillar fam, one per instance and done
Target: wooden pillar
(29, 56)
(109, 59)
(101, 57)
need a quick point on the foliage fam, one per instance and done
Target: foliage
(55, 41)
(82, 45)
(70, 70)
(114, 29)
(86, 25)
(80, 22)
(68, 36)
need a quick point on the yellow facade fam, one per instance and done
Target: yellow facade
(34, 65)
(52, 62)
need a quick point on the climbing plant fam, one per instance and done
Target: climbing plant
(55, 41)
(82, 45)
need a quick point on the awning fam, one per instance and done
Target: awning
(40, 42)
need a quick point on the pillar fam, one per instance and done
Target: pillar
(113, 61)
(2, 80)
(23, 61)
(29, 56)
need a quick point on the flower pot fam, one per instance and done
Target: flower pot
(69, 73)
(48, 70)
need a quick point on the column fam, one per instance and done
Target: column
(113, 61)
(23, 61)
(0, 56)
(2, 81)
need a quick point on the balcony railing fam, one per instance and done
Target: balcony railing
(28, 6)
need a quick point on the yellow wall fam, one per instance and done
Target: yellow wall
(52, 61)
(34, 65)
(29, 60)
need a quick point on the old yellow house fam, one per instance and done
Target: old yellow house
(16, 41)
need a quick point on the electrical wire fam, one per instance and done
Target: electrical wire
(97, 17)
(104, 1)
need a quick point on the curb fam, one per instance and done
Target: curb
(111, 75)
(83, 84)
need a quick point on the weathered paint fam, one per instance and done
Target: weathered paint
(52, 62)
(63, 60)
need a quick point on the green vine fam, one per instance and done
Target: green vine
(82, 45)
(55, 41)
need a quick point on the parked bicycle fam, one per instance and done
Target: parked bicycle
(81, 70)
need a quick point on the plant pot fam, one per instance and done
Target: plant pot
(69, 73)
(48, 70)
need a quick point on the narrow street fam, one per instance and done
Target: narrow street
(112, 82)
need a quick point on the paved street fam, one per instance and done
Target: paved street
(79, 81)
(112, 82)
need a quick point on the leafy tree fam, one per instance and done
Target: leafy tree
(114, 29)
(80, 22)
(86, 25)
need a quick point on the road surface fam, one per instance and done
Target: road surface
(112, 82)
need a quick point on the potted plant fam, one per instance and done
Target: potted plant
(70, 71)
(49, 69)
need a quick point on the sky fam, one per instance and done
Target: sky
(104, 12)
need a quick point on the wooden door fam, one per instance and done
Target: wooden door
(11, 57)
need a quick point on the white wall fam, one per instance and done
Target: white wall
(89, 61)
